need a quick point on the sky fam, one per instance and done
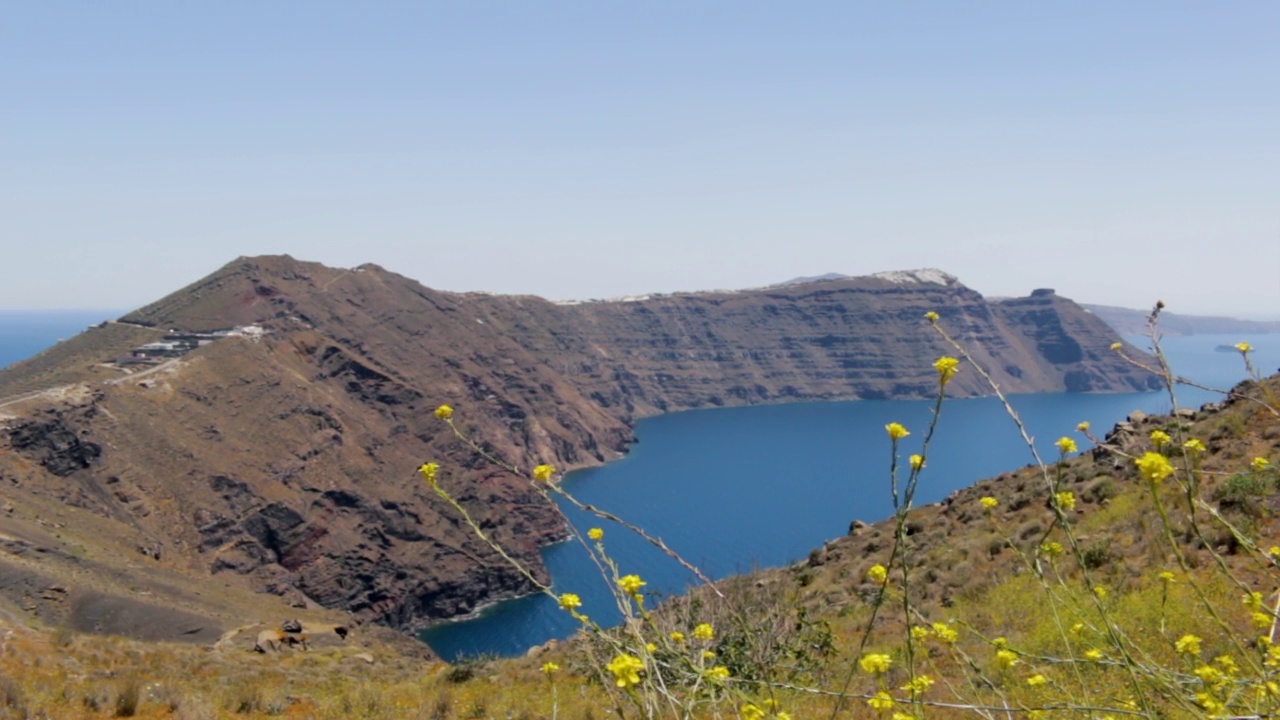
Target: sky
(1118, 152)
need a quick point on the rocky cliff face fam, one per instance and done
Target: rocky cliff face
(286, 462)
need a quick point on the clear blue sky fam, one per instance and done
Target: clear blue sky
(1119, 152)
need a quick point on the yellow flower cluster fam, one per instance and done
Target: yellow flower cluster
(550, 667)
(595, 534)
(877, 574)
(1051, 548)
(1193, 446)
(881, 701)
(945, 633)
(429, 471)
(677, 636)
(718, 672)
(1037, 679)
(896, 431)
(1160, 438)
(875, 663)
(989, 502)
(1259, 464)
(1154, 467)
(704, 632)
(1187, 645)
(444, 412)
(1083, 426)
(946, 367)
(542, 473)
(626, 670)
(569, 601)
(1166, 577)
(931, 316)
(1066, 500)
(917, 461)
(1244, 347)
(1006, 658)
(917, 685)
(1066, 445)
(631, 584)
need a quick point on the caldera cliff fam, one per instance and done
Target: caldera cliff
(280, 457)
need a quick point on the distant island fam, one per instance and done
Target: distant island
(1128, 321)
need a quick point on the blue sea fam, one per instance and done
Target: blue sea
(733, 489)
(24, 333)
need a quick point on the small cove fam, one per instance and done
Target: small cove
(736, 488)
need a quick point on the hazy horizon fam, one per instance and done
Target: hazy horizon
(1117, 153)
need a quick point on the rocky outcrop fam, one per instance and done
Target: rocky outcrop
(285, 462)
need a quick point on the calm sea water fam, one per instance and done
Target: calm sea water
(25, 333)
(732, 489)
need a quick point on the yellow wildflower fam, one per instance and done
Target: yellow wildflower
(1037, 679)
(651, 647)
(1259, 464)
(1006, 658)
(901, 716)
(1227, 664)
(1252, 600)
(1166, 577)
(542, 473)
(1193, 446)
(569, 601)
(677, 637)
(1066, 445)
(877, 574)
(1100, 592)
(550, 667)
(1093, 654)
(946, 367)
(1083, 426)
(1187, 645)
(1051, 548)
(944, 632)
(718, 672)
(704, 631)
(631, 584)
(750, 712)
(989, 502)
(626, 670)
(1154, 467)
(708, 654)
(1116, 346)
(1211, 704)
(1244, 347)
(444, 412)
(1160, 438)
(595, 534)
(917, 461)
(881, 701)
(919, 632)
(931, 316)
(1077, 628)
(896, 431)
(1261, 619)
(1208, 675)
(918, 685)
(1066, 500)
(429, 471)
(875, 663)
